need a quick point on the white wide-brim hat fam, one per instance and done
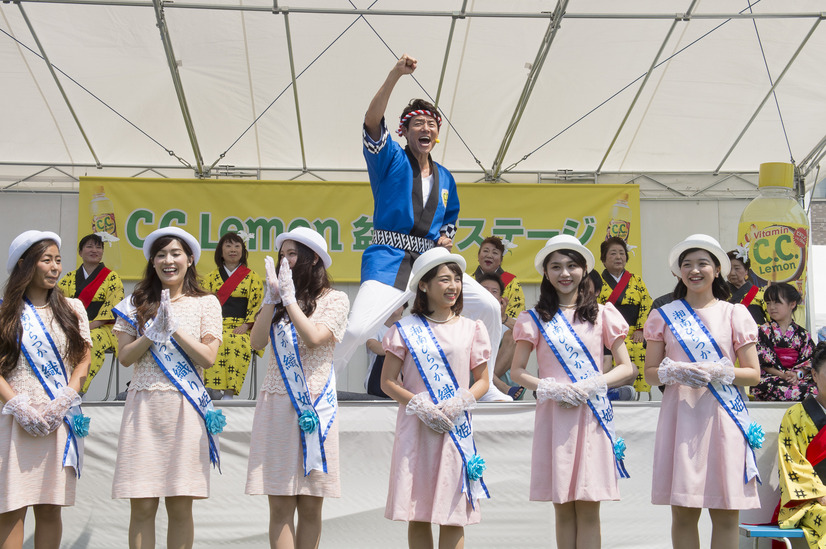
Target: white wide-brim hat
(176, 232)
(703, 242)
(432, 258)
(24, 241)
(563, 242)
(309, 238)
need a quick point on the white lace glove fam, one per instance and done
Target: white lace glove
(593, 385)
(29, 419)
(57, 409)
(722, 371)
(164, 324)
(689, 374)
(272, 294)
(285, 283)
(423, 407)
(456, 405)
(567, 395)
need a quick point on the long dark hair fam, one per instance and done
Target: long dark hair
(719, 287)
(586, 301)
(11, 330)
(219, 249)
(311, 280)
(147, 294)
(420, 305)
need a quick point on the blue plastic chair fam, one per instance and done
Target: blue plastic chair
(771, 532)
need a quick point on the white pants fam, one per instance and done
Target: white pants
(376, 301)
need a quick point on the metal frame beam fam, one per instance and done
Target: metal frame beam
(769, 94)
(530, 82)
(639, 92)
(179, 87)
(295, 90)
(459, 15)
(45, 57)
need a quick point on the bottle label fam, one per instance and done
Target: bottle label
(105, 223)
(777, 251)
(619, 228)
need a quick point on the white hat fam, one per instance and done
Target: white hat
(24, 241)
(563, 242)
(432, 258)
(703, 242)
(176, 232)
(309, 238)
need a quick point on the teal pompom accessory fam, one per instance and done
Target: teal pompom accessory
(475, 467)
(755, 435)
(308, 421)
(619, 449)
(80, 425)
(215, 421)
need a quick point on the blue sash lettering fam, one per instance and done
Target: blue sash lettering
(314, 418)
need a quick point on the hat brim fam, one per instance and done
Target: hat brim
(690, 243)
(24, 241)
(548, 249)
(425, 267)
(175, 232)
(316, 246)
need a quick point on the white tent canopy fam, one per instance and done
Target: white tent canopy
(532, 91)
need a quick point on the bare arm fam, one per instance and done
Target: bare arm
(260, 333)
(375, 346)
(78, 377)
(481, 383)
(654, 355)
(131, 348)
(623, 370)
(375, 112)
(313, 335)
(6, 392)
(202, 354)
(749, 371)
(519, 373)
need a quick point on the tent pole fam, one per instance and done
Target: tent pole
(59, 85)
(459, 15)
(768, 95)
(295, 89)
(179, 87)
(639, 92)
(539, 61)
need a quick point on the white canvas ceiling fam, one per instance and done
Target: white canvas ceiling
(565, 86)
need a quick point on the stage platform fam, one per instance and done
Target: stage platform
(356, 520)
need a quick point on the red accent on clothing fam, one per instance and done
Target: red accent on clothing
(91, 289)
(747, 299)
(231, 283)
(619, 288)
(788, 357)
(507, 278)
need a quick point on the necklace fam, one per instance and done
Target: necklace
(452, 314)
(568, 306)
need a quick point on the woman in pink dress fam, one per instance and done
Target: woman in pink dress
(33, 433)
(294, 447)
(577, 457)
(703, 451)
(435, 472)
(166, 441)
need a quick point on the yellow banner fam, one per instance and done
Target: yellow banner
(527, 215)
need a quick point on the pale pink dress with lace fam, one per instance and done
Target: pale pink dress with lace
(699, 452)
(163, 448)
(276, 463)
(31, 468)
(572, 457)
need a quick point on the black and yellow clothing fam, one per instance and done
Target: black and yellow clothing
(513, 291)
(757, 307)
(109, 294)
(235, 352)
(800, 484)
(634, 303)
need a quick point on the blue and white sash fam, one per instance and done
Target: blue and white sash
(700, 346)
(41, 353)
(578, 363)
(315, 418)
(178, 368)
(441, 384)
